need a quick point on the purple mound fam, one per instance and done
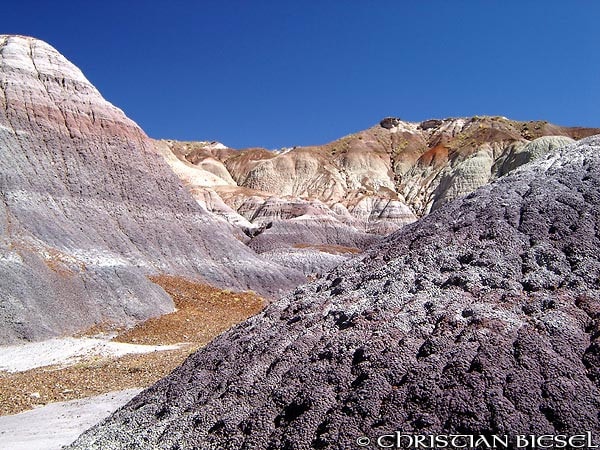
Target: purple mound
(482, 318)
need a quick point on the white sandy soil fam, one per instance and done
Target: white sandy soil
(57, 424)
(66, 351)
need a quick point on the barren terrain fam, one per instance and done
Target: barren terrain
(203, 312)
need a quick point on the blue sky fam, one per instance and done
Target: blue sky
(284, 73)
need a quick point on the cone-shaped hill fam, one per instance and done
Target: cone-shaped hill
(89, 209)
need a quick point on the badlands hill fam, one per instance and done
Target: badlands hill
(89, 209)
(481, 318)
(348, 193)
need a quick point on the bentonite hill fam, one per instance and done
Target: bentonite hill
(89, 209)
(480, 318)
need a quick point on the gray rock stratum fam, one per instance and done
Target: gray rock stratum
(481, 318)
(88, 209)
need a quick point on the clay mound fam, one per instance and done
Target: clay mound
(88, 209)
(531, 151)
(482, 318)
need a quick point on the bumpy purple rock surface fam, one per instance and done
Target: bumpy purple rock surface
(480, 318)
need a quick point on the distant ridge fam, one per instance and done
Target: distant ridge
(356, 189)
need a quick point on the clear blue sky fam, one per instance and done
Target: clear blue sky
(283, 73)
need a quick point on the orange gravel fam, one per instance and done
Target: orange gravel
(203, 312)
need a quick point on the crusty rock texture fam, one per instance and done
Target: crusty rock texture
(88, 209)
(481, 318)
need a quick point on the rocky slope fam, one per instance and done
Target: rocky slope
(352, 191)
(394, 160)
(88, 208)
(481, 318)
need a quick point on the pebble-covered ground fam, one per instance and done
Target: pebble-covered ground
(203, 312)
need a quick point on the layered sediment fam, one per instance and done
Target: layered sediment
(89, 209)
(481, 318)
